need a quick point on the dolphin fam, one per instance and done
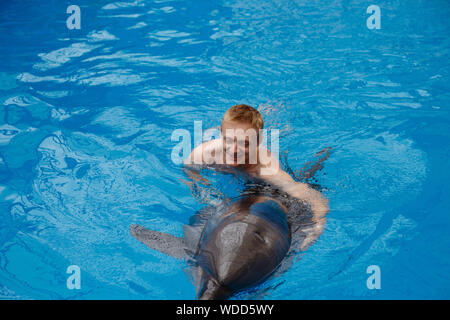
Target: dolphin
(239, 243)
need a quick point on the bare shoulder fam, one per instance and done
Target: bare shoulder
(203, 153)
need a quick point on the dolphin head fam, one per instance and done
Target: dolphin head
(242, 247)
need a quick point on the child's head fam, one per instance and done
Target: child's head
(246, 114)
(240, 131)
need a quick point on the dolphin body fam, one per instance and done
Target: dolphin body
(237, 244)
(241, 245)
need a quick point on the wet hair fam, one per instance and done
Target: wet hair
(244, 113)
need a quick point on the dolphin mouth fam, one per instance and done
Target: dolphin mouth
(211, 289)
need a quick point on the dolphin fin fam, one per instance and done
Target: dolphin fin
(193, 231)
(162, 242)
(192, 237)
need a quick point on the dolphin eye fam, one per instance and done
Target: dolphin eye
(259, 236)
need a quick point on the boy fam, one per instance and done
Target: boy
(239, 147)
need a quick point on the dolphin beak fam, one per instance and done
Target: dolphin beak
(212, 290)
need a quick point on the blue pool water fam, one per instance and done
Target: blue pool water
(86, 118)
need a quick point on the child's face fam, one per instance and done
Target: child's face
(240, 143)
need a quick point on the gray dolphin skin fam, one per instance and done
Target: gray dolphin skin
(240, 246)
(239, 243)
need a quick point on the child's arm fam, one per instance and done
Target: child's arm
(275, 175)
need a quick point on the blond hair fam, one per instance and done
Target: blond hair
(244, 113)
